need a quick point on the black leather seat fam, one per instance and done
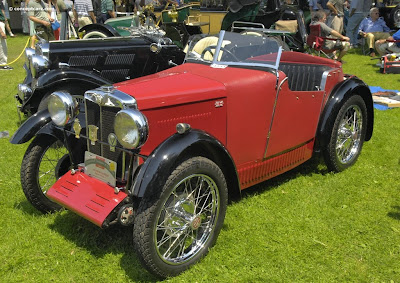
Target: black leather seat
(303, 77)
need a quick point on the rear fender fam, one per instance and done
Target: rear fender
(338, 96)
(106, 29)
(166, 157)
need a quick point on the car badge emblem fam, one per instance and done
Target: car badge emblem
(219, 103)
(93, 134)
(112, 141)
(77, 128)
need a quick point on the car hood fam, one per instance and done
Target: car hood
(178, 85)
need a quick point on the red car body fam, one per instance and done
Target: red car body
(191, 135)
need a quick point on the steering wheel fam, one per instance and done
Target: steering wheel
(210, 49)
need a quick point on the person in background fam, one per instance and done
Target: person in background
(7, 15)
(39, 15)
(373, 28)
(358, 10)
(337, 12)
(388, 45)
(57, 6)
(3, 40)
(32, 32)
(24, 16)
(323, 4)
(83, 13)
(97, 10)
(107, 10)
(314, 6)
(343, 45)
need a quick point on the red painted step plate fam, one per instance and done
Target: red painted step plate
(90, 198)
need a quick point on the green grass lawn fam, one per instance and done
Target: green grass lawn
(307, 225)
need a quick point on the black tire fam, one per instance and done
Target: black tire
(170, 233)
(347, 135)
(394, 17)
(44, 155)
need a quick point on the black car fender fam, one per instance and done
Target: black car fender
(31, 127)
(340, 93)
(106, 29)
(40, 123)
(156, 169)
(69, 75)
(58, 78)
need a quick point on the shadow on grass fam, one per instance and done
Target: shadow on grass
(27, 208)
(395, 214)
(100, 242)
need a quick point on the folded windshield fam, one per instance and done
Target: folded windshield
(249, 48)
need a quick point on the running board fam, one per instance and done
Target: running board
(88, 197)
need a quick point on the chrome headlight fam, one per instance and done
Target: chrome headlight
(131, 128)
(38, 64)
(62, 107)
(28, 54)
(24, 91)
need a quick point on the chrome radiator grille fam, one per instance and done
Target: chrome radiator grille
(101, 106)
(103, 118)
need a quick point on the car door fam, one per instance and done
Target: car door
(295, 119)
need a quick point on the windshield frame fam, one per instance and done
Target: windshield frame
(222, 64)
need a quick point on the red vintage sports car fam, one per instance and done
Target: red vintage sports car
(163, 152)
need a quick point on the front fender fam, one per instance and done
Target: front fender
(31, 127)
(106, 29)
(56, 76)
(165, 158)
(40, 123)
(336, 99)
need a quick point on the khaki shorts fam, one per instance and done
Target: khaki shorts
(337, 45)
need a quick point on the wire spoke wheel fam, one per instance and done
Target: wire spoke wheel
(175, 226)
(187, 219)
(48, 167)
(44, 162)
(346, 134)
(349, 134)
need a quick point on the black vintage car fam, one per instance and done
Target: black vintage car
(79, 65)
(390, 11)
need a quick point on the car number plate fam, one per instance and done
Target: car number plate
(101, 168)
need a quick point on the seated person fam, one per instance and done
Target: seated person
(343, 45)
(387, 46)
(373, 28)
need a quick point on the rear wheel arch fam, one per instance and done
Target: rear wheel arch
(339, 95)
